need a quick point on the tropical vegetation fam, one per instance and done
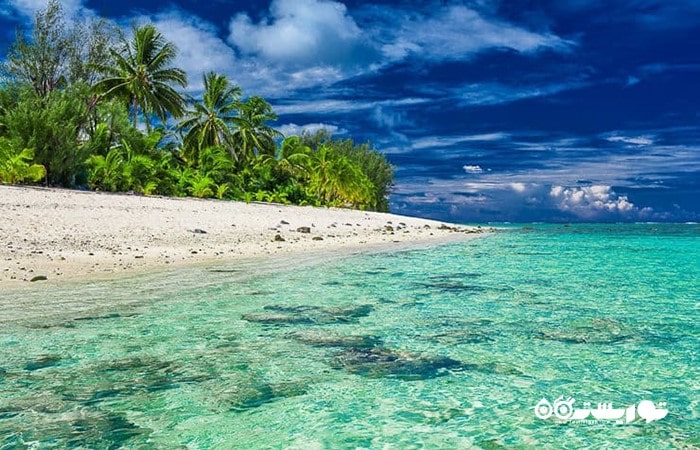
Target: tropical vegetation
(96, 107)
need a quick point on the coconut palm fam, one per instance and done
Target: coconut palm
(210, 122)
(142, 76)
(252, 135)
(334, 180)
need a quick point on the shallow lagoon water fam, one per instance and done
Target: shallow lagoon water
(448, 347)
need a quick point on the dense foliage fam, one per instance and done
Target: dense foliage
(94, 107)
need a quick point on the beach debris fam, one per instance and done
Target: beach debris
(317, 238)
(305, 230)
(38, 278)
(198, 231)
(284, 222)
(389, 229)
(309, 315)
(279, 238)
(380, 362)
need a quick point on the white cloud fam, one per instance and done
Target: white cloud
(497, 93)
(302, 32)
(632, 80)
(292, 129)
(457, 32)
(448, 141)
(200, 50)
(473, 169)
(593, 201)
(330, 106)
(638, 140)
(72, 8)
(387, 118)
(518, 187)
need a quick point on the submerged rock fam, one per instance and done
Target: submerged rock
(256, 396)
(597, 331)
(452, 285)
(106, 316)
(494, 368)
(43, 362)
(309, 315)
(457, 337)
(110, 430)
(324, 339)
(379, 362)
(127, 377)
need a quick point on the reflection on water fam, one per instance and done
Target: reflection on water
(449, 347)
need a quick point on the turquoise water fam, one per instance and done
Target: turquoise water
(449, 347)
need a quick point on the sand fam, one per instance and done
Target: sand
(67, 235)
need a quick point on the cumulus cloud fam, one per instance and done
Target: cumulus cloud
(473, 169)
(593, 201)
(28, 8)
(200, 50)
(302, 32)
(292, 129)
(319, 42)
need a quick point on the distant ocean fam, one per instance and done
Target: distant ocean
(537, 336)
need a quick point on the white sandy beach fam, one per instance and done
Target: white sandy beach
(65, 234)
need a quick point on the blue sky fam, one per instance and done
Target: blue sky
(561, 110)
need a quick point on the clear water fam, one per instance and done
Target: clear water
(449, 347)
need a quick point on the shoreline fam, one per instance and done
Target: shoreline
(69, 235)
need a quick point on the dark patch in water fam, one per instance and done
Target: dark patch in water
(268, 393)
(106, 316)
(379, 362)
(331, 283)
(454, 276)
(131, 376)
(109, 431)
(452, 286)
(47, 326)
(224, 270)
(256, 293)
(597, 331)
(42, 363)
(462, 337)
(309, 315)
(320, 339)
(493, 368)
(8, 413)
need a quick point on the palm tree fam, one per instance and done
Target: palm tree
(18, 166)
(252, 136)
(142, 76)
(210, 123)
(334, 180)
